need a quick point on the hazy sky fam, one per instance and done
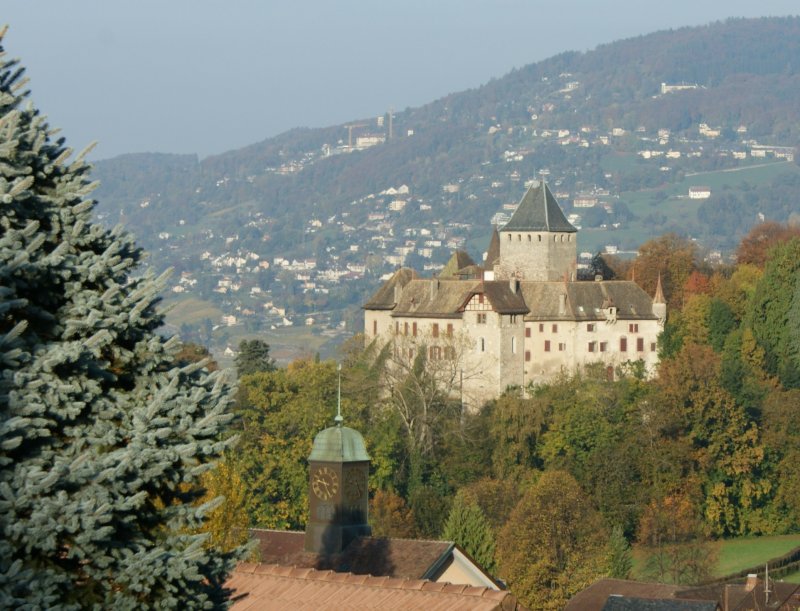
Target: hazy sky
(206, 76)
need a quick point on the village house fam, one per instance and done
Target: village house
(522, 317)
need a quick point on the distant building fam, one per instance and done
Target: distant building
(699, 192)
(521, 317)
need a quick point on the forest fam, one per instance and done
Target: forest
(705, 449)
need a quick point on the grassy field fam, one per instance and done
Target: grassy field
(671, 199)
(739, 554)
(191, 311)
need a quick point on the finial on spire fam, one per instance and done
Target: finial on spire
(339, 419)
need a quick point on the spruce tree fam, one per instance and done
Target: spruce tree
(468, 528)
(620, 558)
(102, 439)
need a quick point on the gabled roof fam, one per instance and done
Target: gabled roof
(458, 261)
(586, 300)
(595, 596)
(503, 299)
(441, 298)
(267, 587)
(401, 558)
(630, 603)
(384, 297)
(538, 210)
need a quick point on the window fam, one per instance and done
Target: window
(435, 329)
(623, 344)
(633, 327)
(435, 353)
(547, 345)
(562, 347)
(603, 346)
(529, 237)
(512, 318)
(541, 327)
(592, 346)
(519, 237)
(481, 318)
(449, 353)
(639, 344)
(509, 237)
(591, 327)
(513, 345)
(374, 327)
(527, 356)
(405, 328)
(480, 298)
(555, 328)
(483, 345)
(527, 331)
(449, 329)
(652, 346)
(397, 327)
(414, 329)
(540, 237)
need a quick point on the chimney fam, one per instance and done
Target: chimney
(513, 284)
(562, 304)
(752, 581)
(434, 287)
(398, 290)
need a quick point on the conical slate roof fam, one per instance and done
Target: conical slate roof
(539, 211)
(458, 261)
(493, 254)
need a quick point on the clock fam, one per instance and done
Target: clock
(354, 486)
(324, 483)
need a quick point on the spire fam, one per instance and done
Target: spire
(659, 296)
(339, 419)
(538, 210)
(493, 254)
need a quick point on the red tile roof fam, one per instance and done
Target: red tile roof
(272, 587)
(401, 558)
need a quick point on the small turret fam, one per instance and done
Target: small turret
(659, 304)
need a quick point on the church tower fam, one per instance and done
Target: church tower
(338, 469)
(538, 243)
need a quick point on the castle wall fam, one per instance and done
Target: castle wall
(537, 255)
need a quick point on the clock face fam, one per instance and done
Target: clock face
(354, 486)
(324, 483)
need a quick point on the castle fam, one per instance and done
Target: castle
(522, 317)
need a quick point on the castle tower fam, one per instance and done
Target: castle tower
(538, 243)
(338, 469)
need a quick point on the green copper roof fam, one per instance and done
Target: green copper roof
(538, 210)
(339, 444)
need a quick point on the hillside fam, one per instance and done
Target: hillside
(619, 151)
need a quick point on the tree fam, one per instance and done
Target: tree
(755, 246)
(253, 357)
(774, 316)
(389, 516)
(468, 528)
(673, 258)
(620, 559)
(103, 440)
(564, 543)
(676, 549)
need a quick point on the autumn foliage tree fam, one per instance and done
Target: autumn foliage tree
(564, 548)
(755, 246)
